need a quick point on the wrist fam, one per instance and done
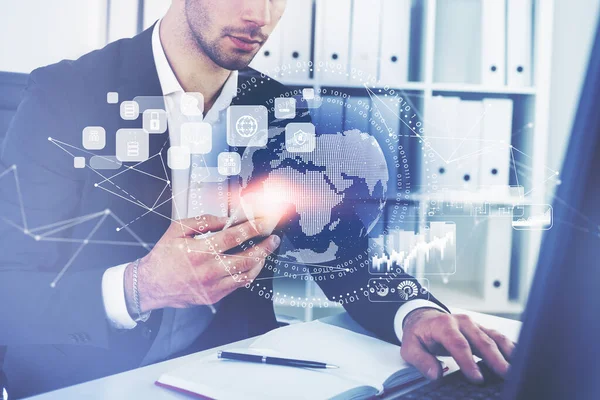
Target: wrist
(145, 301)
(418, 314)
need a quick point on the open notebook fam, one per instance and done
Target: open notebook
(368, 367)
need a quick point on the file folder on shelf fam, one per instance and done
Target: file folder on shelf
(458, 41)
(123, 19)
(497, 129)
(519, 50)
(467, 145)
(496, 264)
(334, 17)
(493, 42)
(297, 36)
(268, 59)
(395, 42)
(441, 125)
(364, 54)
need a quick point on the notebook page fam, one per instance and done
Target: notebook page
(360, 357)
(223, 379)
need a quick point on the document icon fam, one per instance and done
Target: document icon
(133, 145)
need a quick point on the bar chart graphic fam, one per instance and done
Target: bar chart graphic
(431, 251)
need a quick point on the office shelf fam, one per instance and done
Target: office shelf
(417, 86)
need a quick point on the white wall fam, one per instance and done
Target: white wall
(574, 31)
(35, 33)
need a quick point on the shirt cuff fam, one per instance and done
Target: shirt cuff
(409, 307)
(113, 295)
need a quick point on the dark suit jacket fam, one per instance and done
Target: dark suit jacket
(60, 336)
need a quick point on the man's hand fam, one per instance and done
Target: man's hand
(429, 332)
(181, 271)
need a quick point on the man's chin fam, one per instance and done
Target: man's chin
(236, 64)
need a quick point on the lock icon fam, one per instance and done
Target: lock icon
(154, 121)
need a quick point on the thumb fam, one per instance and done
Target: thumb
(191, 227)
(414, 353)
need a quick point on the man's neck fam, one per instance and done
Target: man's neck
(195, 71)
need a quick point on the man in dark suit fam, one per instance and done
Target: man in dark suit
(78, 305)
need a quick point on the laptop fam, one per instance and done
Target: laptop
(558, 352)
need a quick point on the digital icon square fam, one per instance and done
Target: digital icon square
(112, 98)
(155, 121)
(133, 145)
(79, 162)
(192, 104)
(300, 137)
(229, 164)
(247, 126)
(178, 157)
(130, 110)
(308, 94)
(94, 138)
(285, 108)
(197, 136)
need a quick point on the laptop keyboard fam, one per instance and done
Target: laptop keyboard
(456, 386)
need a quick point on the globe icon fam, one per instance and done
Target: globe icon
(338, 192)
(246, 126)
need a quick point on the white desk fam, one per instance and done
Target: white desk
(139, 383)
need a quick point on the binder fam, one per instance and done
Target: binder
(297, 36)
(334, 18)
(268, 59)
(466, 158)
(154, 10)
(496, 271)
(458, 41)
(441, 124)
(497, 129)
(519, 34)
(364, 54)
(395, 41)
(122, 19)
(493, 42)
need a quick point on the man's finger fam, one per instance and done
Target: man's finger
(235, 236)
(505, 345)
(459, 348)
(191, 227)
(484, 346)
(414, 353)
(245, 266)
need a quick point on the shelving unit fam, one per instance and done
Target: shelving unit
(531, 105)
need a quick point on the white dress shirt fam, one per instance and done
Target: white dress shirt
(186, 205)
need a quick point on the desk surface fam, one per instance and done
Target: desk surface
(139, 383)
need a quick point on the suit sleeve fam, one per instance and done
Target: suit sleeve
(40, 187)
